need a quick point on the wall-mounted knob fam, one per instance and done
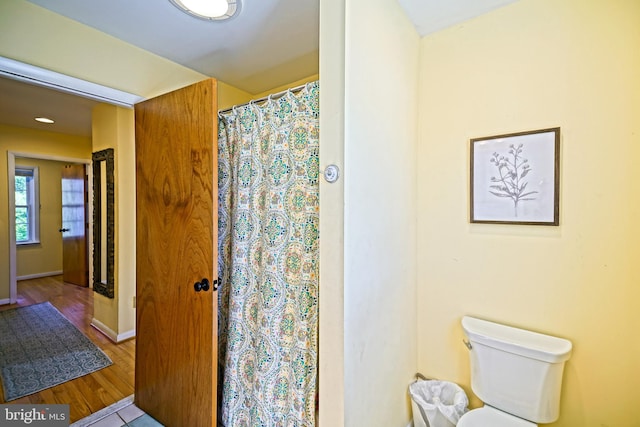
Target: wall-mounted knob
(331, 173)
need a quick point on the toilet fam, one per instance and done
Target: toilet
(516, 373)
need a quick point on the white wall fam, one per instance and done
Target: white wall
(331, 305)
(380, 327)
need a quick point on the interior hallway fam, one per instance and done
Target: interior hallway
(93, 392)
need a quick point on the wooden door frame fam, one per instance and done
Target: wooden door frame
(11, 171)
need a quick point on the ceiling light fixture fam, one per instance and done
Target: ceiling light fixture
(210, 10)
(44, 120)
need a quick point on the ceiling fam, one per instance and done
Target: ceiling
(238, 51)
(429, 16)
(245, 51)
(21, 102)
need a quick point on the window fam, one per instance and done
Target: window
(27, 205)
(73, 206)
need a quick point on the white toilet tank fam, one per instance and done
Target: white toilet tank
(515, 370)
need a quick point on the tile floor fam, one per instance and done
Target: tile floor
(120, 414)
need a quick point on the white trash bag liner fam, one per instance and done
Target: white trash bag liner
(437, 403)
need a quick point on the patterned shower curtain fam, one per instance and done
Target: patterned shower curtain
(268, 261)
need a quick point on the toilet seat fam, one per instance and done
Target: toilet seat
(488, 416)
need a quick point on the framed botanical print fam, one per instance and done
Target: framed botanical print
(515, 178)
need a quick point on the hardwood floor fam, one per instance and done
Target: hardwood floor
(95, 391)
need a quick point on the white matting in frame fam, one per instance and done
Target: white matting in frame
(515, 178)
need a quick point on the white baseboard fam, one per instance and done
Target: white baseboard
(5, 301)
(127, 335)
(110, 333)
(39, 275)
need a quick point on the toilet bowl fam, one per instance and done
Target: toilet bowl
(492, 417)
(516, 373)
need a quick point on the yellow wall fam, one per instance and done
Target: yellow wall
(125, 221)
(113, 128)
(37, 36)
(46, 256)
(104, 130)
(380, 327)
(228, 96)
(27, 141)
(531, 65)
(289, 85)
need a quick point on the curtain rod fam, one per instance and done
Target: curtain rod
(266, 98)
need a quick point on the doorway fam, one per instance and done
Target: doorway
(75, 268)
(12, 156)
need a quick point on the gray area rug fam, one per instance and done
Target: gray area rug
(40, 348)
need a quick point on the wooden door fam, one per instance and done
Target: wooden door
(176, 247)
(75, 267)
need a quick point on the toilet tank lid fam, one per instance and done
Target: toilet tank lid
(518, 341)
